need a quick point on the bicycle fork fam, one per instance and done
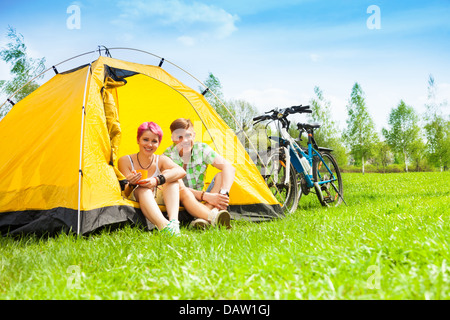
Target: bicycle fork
(288, 166)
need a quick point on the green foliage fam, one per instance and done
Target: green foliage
(216, 99)
(382, 155)
(23, 68)
(403, 131)
(244, 112)
(360, 134)
(437, 129)
(395, 224)
(321, 113)
(328, 135)
(237, 114)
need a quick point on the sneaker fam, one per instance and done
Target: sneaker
(172, 229)
(220, 218)
(199, 224)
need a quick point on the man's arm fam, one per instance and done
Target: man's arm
(228, 172)
(224, 182)
(197, 194)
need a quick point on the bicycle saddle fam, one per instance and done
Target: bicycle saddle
(307, 126)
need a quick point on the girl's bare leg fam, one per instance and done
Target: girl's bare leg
(171, 195)
(150, 208)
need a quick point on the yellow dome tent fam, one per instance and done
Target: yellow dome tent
(59, 148)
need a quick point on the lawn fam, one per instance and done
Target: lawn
(390, 242)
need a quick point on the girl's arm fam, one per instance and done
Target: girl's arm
(170, 170)
(133, 177)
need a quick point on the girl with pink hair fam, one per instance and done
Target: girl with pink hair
(161, 187)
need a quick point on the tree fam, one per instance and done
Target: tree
(435, 128)
(446, 145)
(360, 134)
(244, 113)
(231, 111)
(417, 153)
(321, 113)
(23, 69)
(328, 135)
(437, 134)
(404, 130)
(226, 111)
(213, 84)
(383, 155)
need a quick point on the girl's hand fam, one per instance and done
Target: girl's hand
(134, 177)
(148, 183)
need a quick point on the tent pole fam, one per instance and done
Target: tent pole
(43, 72)
(80, 172)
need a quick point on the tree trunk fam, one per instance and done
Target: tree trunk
(406, 164)
(363, 164)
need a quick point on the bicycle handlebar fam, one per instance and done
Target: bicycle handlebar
(282, 113)
(260, 118)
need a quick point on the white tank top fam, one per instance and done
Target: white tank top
(156, 173)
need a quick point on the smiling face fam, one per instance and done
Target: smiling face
(184, 139)
(148, 142)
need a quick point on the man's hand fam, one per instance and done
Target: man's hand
(220, 201)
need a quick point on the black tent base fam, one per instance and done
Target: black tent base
(64, 220)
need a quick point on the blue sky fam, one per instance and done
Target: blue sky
(270, 53)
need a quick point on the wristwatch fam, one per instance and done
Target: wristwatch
(223, 191)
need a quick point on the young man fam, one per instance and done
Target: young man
(195, 158)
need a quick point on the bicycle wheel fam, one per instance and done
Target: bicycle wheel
(331, 192)
(275, 176)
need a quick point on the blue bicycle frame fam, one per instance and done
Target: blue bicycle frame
(294, 151)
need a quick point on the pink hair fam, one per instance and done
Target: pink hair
(151, 126)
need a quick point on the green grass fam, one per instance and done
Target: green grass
(391, 242)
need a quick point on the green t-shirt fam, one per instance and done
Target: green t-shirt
(202, 155)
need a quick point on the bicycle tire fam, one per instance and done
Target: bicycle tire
(275, 177)
(329, 196)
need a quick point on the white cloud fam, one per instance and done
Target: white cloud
(193, 19)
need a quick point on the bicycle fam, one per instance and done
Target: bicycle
(291, 170)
